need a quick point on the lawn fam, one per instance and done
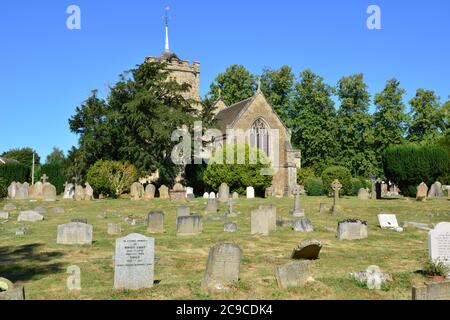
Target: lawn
(37, 262)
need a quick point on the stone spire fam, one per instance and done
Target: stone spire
(167, 48)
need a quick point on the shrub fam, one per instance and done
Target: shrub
(435, 268)
(314, 187)
(409, 165)
(238, 176)
(111, 178)
(3, 189)
(56, 175)
(17, 172)
(359, 183)
(304, 174)
(342, 174)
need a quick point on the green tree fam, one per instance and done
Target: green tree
(277, 86)
(355, 133)
(23, 155)
(389, 118)
(56, 157)
(233, 85)
(314, 121)
(427, 118)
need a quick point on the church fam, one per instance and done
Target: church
(254, 116)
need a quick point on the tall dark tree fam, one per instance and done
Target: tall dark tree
(314, 123)
(355, 133)
(56, 157)
(22, 155)
(233, 85)
(427, 118)
(278, 87)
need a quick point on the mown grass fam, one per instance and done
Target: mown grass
(36, 261)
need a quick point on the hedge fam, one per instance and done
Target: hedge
(56, 175)
(314, 187)
(410, 165)
(17, 172)
(342, 174)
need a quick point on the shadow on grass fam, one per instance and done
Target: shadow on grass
(22, 263)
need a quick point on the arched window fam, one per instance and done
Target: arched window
(259, 136)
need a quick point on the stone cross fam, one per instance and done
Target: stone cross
(75, 179)
(44, 178)
(336, 186)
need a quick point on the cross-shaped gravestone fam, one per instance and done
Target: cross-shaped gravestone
(75, 179)
(44, 178)
(336, 186)
(65, 184)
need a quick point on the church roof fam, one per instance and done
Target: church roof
(227, 116)
(6, 160)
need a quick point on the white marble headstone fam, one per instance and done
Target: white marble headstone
(439, 243)
(250, 193)
(388, 221)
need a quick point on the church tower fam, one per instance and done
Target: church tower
(181, 71)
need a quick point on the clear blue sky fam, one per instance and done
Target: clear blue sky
(48, 70)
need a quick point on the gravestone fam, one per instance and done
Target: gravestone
(422, 191)
(439, 243)
(79, 220)
(269, 192)
(21, 232)
(297, 211)
(30, 216)
(303, 225)
(10, 291)
(36, 191)
(191, 225)
(323, 208)
(231, 213)
(190, 194)
(212, 195)
(272, 212)
(155, 222)
(183, 211)
(230, 227)
(224, 192)
(79, 193)
(150, 191)
(417, 225)
(352, 230)
(436, 190)
(222, 267)
(9, 207)
(69, 191)
(439, 290)
(134, 261)
(206, 195)
(58, 210)
(260, 222)
(4, 215)
(294, 274)
(75, 233)
(378, 189)
(21, 191)
(88, 192)
(235, 196)
(388, 221)
(250, 193)
(212, 206)
(114, 229)
(12, 190)
(363, 194)
(217, 218)
(336, 186)
(178, 193)
(136, 191)
(48, 192)
(307, 250)
(163, 192)
(40, 210)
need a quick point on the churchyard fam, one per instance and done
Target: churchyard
(31, 256)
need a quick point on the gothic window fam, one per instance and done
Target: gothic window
(259, 136)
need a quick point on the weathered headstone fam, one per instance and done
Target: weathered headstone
(336, 186)
(297, 211)
(114, 229)
(303, 225)
(206, 195)
(178, 193)
(272, 215)
(9, 291)
(378, 189)
(230, 227)
(134, 262)
(75, 233)
(30, 216)
(212, 206)
(191, 225)
(363, 194)
(422, 191)
(436, 190)
(49, 192)
(4, 215)
(164, 192)
(9, 207)
(69, 191)
(150, 191)
(21, 191)
(307, 250)
(58, 210)
(183, 211)
(36, 191)
(417, 225)
(155, 222)
(136, 191)
(352, 230)
(88, 192)
(260, 222)
(79, 220)
(294, 274)
(439, 243)
(235, 196)
(231, 213)
(250, 193)
(323, 208)
(439, 290)
(40, 210)
(224, 192)
(212, 195)
(222, 267)
(79, 193)
(12, 189)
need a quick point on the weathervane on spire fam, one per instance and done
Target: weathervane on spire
(166, 19)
